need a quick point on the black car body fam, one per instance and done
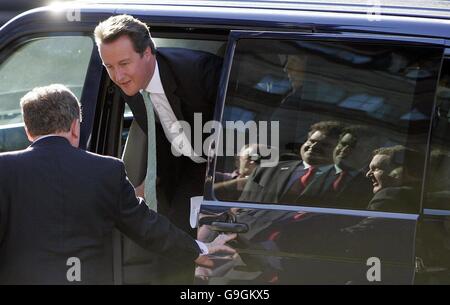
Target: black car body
(383, 66)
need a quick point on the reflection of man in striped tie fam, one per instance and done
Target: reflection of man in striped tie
(176, 84)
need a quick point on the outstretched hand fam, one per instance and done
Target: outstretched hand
(218, 245)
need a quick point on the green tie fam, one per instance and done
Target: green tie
(150, 178)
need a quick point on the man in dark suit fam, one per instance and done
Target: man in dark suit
(181, 83)
(59, 204)
(395, 174)
(286, 182)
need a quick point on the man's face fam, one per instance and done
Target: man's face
(295, 68)
(348, 154)
(127, 68)
(318, 149)
(380, 173)
(246, 165)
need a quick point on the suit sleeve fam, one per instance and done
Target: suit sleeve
(150, 229)
(211, 68)
(252, 190)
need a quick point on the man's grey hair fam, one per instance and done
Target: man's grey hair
(115, 27)
(50, 109)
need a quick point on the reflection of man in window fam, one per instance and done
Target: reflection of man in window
(396, 184)
(228, 186)
(438, 188)
(288, 180)
(295, 71)
(344, 183)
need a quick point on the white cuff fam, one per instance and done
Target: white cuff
(203, 248)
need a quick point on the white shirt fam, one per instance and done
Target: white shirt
(172, 128)
(203, 248)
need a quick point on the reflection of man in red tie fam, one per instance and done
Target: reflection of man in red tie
(317, 151)
(352, 153)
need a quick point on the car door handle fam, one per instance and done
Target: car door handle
(232, 227)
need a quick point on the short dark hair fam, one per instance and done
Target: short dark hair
(115, 27)
(395, 153)
(331, 129)
(411, 160)
(49, 109)
(358, 131)
(363, 134)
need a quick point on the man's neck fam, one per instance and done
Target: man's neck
(47, 136)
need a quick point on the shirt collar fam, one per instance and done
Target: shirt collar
(155, 84)
(352, 173)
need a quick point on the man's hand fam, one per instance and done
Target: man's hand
(216, 246)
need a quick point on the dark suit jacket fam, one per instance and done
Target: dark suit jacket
(355, 191)
(58, 202)
(271, 184)
(402, 199)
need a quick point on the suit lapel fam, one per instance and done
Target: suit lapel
(316, 186)
(353, 180)
(169, 85)
(285, 173)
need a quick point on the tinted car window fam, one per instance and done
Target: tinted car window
(39, 62)
(347, 123)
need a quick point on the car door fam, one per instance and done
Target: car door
(331, 100)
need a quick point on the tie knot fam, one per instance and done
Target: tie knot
(304, 180)
(337, 184)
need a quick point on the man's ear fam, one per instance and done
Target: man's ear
(75, 132)
(148, 53)
(75, 128)
(29, 136)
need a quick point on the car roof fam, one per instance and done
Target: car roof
(326, 16)
(413, 8)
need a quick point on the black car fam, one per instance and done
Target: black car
(377, 75)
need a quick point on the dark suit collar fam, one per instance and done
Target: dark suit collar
(51, 140)
(169, 84)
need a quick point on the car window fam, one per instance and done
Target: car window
(38, 62)
(438, 182)
(328, 124)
